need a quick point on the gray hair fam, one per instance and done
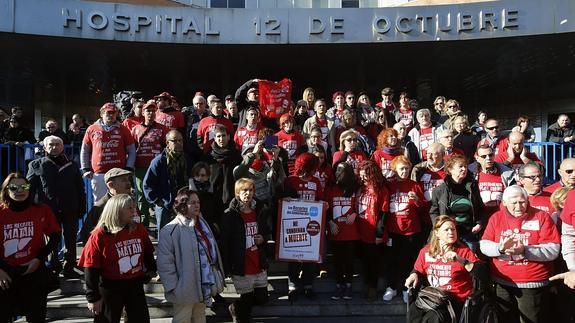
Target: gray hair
(422, 111)
(52, 138)
(524, 168)
(512, 190)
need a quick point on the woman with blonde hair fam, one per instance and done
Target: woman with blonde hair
(446, 263)
(309, 97)
(244, 233)
(349, 150)
(118, 259)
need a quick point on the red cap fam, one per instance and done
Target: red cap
(150, 104)
(164, 95)
(109, 107)
(284, 118)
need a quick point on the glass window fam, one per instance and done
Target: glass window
(320, 4)
(302, 3)
(350, 3)
(227, 3)
(368, 3)
(284, 3)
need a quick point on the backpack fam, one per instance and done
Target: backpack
(435, 299)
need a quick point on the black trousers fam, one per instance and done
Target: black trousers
(344, 255)
(69, 223)
(118, 295)
(26, 296)
(308, 272)
(525, 305)
(401, 255)
(371, 255)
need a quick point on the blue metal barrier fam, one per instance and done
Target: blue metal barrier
(551, 154)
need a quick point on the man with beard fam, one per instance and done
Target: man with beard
(56, 181)
(168, 172)
(167, 114)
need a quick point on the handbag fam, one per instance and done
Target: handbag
(435, 299)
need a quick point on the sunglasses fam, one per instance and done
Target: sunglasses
(492, 128)
(14, 187)
(532, 178)
(351, 139)
(568, 171)
(452, 106)
(485, 156)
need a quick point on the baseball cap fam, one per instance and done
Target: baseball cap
(109, 107)
(115, 172)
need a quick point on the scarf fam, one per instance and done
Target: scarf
(177, 169)
(391, 150)
(202, 186)
(225, 157)
(208, 257)
(59, 160)
(19, 206)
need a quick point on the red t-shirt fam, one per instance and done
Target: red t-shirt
(245, 138)
(429, 180)
(342, 207)
(206, 130)
(172, 119)
(369, 203)
(322, 124)
(108, 147)
(149, 143)
(118, 256)
(325, 176)
(307, 190)
(23, 232)
(453, 151)
(290, 142)
(406, 117)
(535, 227)
(516, 162)
(252, 263)
(403, 216)
(551, 188)
(450, 276)
(353, 159)
(425, 139)
(131, 122)
(568, 213)
(542, 201)
(491, 191)
(383, 160)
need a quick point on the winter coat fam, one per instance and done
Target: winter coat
(178, 260)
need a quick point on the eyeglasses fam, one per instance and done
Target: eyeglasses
(14, 187)
(533, 177)
(492, 128)
(452, 106)
(350, 139)
(485, 156)
(568, 171)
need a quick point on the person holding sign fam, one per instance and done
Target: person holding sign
(305, 186)
(342, 227)
(372, 208)
(243, 250)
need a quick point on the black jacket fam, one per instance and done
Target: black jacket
(60, 187)
(557, 134)
(233, 240)
(443, 197)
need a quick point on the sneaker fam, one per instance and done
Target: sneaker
(310, 294)
(389, 294)
(232, 310)
(347, 293)
(405, 296)
(338, 293)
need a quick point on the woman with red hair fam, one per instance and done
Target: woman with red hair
(304, 186)
(335, 113)
(372, 207)
(289, 139)
(388, 147)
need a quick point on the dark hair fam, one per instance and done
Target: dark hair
(199, 166)
(181, 207)
(522, 119)
(345, 178)
(5, 199)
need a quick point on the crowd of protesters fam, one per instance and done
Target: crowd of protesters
(394, 174)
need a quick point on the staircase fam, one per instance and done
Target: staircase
(68, 304)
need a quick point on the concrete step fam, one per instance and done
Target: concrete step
(61, 307)
(277, 284)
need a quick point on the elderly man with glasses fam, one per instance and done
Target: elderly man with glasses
(531, 179)
(493, 137)
(566, 176)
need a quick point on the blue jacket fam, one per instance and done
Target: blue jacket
(157, 185)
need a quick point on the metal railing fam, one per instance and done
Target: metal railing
(551, 154)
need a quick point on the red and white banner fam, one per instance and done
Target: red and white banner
(275, 97)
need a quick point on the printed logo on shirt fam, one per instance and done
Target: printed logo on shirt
(17, 236)
(129, 253)
(438, 274)
(251, 231)
(341, 207)
(97, 135)
(518, 236)
(532, 225)
(398, 202)
(291, 147)
(491, 193)
(363, 203)
(429, 185)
